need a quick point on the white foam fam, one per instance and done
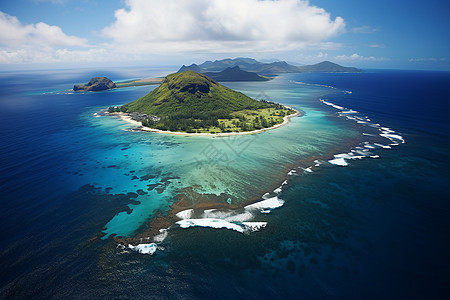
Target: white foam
(344, 155)
(144, 248)
(227, 215)
(393, 137)
(350, 111)
(292, 172)
(332, 105)
(277, 190)
(216, 214)
(362, 152)
(254, 226)
(370, 146)
(387, 130)
(209, 222)
(339, 162)
(308, 170)
(185, 214)
(382, 146)
(271, 203)
(266, 196)
(161, 236)
(243, 217)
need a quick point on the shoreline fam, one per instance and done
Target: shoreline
(125, 117)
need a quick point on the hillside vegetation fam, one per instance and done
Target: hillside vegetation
(192, 102)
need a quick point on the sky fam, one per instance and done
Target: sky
(387, 34)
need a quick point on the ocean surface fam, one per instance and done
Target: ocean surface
(349, 201)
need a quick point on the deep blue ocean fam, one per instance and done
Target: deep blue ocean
(378, 228)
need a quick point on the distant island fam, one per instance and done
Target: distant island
(252, 65)
(229, 74)
(225, 70)
(95, 84)
(192, 103)
(327, 67)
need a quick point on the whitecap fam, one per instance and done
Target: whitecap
(227, 215)
(292, 172)
(271, 203)
(383, 146)
(185, 214)
(393, 137)
(254, 226)
(332, 105)
(144, 248)
(161, 236)
(308, 170)
(266, 196)
(209, 222)
(216, 214)
(277, 190)
(243, 217)
(339, 162)
(344, 155)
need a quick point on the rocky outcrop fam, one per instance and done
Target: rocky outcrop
(95, 84)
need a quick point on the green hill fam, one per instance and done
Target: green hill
(192, 102)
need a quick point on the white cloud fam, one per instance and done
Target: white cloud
(365, 29)
(377, 46)
(51, 55)
(162, 26)
(427, 59)
(13, 34)
(40, 43)
(357, 57)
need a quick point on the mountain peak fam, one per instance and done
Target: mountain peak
(189, 81)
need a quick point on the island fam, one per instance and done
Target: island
(95, 84)
(327, 67)
(229, 74)
(266, 69)
(236, 74)
(193, 104)
(237, 69)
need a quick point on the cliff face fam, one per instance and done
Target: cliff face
(95, 84)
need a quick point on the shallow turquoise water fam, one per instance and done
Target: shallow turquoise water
(241, 167)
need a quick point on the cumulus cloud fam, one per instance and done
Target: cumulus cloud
(220, 26)
(38, 42)
(13, 34)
